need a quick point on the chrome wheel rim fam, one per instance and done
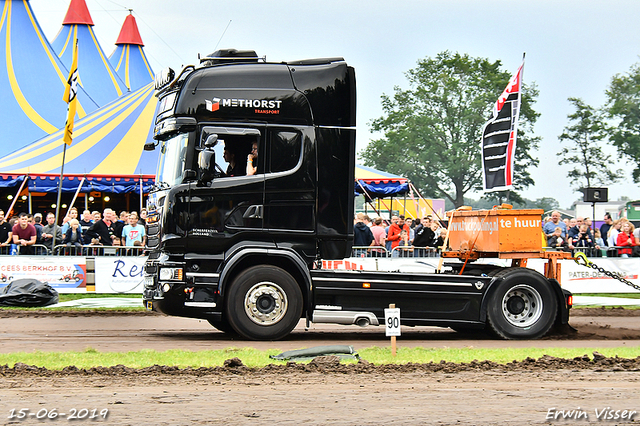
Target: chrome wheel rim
(266, 303)
(522, 306)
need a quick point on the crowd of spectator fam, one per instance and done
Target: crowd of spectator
(423, 237)
(399, 238)
(92, 229)
(615, 237)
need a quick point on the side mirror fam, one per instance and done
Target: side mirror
(150, 146)
(211, 141)
(206, 165)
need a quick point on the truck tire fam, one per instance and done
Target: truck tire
(263, 303)
(522, 306)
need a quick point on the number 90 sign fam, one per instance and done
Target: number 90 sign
(392, 321)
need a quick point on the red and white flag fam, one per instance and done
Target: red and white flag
(498, 145)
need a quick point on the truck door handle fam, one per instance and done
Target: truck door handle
(253, 212)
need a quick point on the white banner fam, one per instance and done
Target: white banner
(65, 274)
(120, 274)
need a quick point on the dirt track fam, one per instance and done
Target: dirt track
(323, 392)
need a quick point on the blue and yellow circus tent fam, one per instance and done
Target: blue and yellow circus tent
(107, 143)
(129, 59)
(107, 151)
(96, 75)
(30, 75)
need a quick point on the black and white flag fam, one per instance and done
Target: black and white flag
(499, 135)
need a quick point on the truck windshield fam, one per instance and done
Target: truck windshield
(171, 164)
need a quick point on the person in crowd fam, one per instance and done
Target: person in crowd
(424, 236)
(377, 229)
(625, 240)
(6, 236)
(142, 220)
(583, 238)
(566, 222)
(71, 214)
(604, 228)
(394, 231)
(85, 223)
(589, 223)
(119, 224)
(49, 230)
(575, 229)
(24, 234)
(234, 168)
(133, 232)
(102, 230)
(252, 160)
(394, 219)
(435, 227)
(439, 243)
(549, 228)
(362, 236)
(73, 236)
(96, 216)
(612, 235)
(556, 240)
(367, 221)
(37, 223)
(405, 248)
(598, 238)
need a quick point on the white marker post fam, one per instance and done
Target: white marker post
(392, 322)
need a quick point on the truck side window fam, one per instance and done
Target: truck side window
(285, 150)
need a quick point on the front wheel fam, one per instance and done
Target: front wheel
(522, 306)
(263, 303)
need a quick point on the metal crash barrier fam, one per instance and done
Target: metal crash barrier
(400, 251)
(64, 250)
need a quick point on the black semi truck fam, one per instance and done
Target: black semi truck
(241, 245)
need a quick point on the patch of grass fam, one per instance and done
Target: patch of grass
(66, 297)
(620, 295)
(251, 357)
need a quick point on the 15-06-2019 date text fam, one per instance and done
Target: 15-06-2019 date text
(53, 414)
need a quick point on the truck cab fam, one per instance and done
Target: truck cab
(255, 168)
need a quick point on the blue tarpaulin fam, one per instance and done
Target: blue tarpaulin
(49, 183)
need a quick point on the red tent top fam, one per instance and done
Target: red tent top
(129, 33)
(77, 14)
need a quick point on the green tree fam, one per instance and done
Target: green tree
(432, 130)
(585, 133)
(623, 103)
(544, 203)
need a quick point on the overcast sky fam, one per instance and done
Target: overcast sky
(573, 48)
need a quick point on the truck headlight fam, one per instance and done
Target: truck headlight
(171, 274)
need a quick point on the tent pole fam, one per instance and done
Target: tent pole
(64, 154)
(422, 198)
(76, 195)
(13, 203)
(141, 194)
(404, 206)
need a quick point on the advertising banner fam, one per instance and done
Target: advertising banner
(65, 274)
(120, 274)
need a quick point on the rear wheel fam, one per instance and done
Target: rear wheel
(522, 306)
(264, 303)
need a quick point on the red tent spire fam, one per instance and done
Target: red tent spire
(129, 33)
(77, 14)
